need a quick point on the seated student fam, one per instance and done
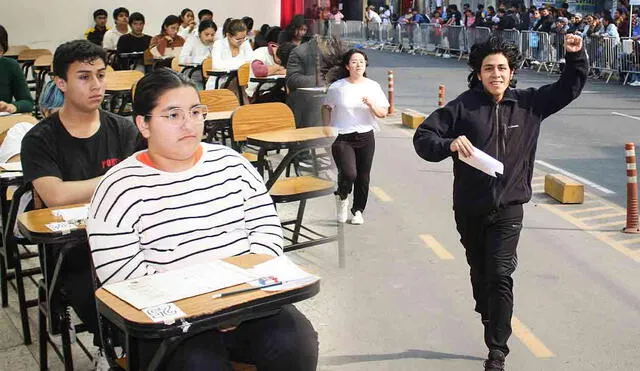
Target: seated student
(208, 203)
(66, 155)
(231, 52)
(198, 48)
(295, 31)
(121, 19)
(168, 43)
(134, 41)
(96, 33)
(187, 23)
(14, 92)
(267, 63)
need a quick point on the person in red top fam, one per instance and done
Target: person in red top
(168, 43)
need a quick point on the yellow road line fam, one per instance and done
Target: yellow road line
(529, 339)
(382, 195)
(437, 248)
(602, 236)
(630, 240)
(574, 212)
(603, 216)
(620, 223)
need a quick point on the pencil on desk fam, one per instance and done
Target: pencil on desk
(224, 294)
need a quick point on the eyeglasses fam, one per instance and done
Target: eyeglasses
(177, 116)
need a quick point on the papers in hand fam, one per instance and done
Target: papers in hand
(483, 162)
(166, 287)
(285, 271)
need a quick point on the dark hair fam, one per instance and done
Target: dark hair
(207, 24)
(264, 29)
(248, 21)
(608, 18)
(153, 85)
(99, 12)
(235, 26)
(495, 45)
(225, 26)
(118, 11)
(204, 12)
(296, 22)
(184, 12)
(76, 51)
(272, 34)
(284, 51)
(171, 19)
(4, 39)
(490, 7)
(136, 17)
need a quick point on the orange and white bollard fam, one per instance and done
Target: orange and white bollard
(392, 105)
(441, 93)
(632, 189)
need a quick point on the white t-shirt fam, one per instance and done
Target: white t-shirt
(374, 17)
(348, 113)
(111, 37)
(194, 51)
(223, 59)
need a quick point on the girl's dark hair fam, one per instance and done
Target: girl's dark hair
(151, 87)
(75, 51)
(183, 13)
(495, 45)
(264, 29)
(248, 21)
(170, 20)
(296, 22)
(272, 34)
(4, 40)
(207, 24)
(284, 51)
(235, 26)
(225, 26)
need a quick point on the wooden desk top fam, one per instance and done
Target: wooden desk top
(216, 116)
(30, 55)
(119, 81)
(14, 51)
(292, 136)
(198, 305)
(32, 224)
(43, 62)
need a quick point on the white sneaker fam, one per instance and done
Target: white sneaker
(343, 209)
(446, 56)
(635, 83)
(357, 218)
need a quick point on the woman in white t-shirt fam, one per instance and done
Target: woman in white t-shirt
(351, 106)
(231, 52)
(198, 47)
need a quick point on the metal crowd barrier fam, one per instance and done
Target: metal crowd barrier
(630, 59)
(545, 50)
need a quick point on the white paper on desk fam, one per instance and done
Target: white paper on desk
(285, 271)
(167, 287)
(11, 166)
(4, 114)
(483, 162)
(72, 214)
(10, 174)
(63, 227)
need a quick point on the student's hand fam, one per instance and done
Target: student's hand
(367, 101)
(7, 107)
(572, 43)
(168, 38)
(462, 145)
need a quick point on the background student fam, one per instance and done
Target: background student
(14, 92)
(187, 23)
(135, 41)
(121, 19)
(96, 33)
(231, 52)
(168, 43)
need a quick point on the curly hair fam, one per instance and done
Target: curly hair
(495, 45)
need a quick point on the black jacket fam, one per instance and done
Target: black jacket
(507, 131)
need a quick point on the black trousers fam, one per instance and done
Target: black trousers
(490, 240)
(77, 285)
(284, 341)
(353, 155)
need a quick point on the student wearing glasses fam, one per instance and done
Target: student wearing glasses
(233, 51)
(183, 202)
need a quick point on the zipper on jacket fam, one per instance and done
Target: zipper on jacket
(497, 132)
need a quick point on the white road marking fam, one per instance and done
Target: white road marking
(625, 115)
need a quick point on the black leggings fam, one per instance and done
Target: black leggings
(353, 154)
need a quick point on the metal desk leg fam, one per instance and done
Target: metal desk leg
(166, 347)
(133, 356)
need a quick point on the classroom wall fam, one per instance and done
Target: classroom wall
(48, 23)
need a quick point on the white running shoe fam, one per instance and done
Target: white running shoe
(342, 207)
(635, 83)
(357, 218)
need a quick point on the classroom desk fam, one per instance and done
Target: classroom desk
(190, 68)
(203, 313)
(218, 74)
(217, 122)
(295, 141)
(129, 61)
(119, 84)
